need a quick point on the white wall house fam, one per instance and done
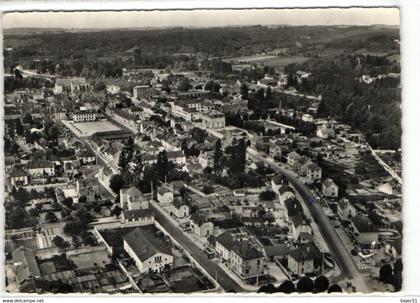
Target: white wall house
(147, 256)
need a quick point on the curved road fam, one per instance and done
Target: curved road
(333, 240)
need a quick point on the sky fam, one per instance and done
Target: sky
(203, 18)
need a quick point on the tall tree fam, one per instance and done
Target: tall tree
(218, 157)
(116, 183)
(137, 171)
(162, 165)
(126, 157)
(244, 91)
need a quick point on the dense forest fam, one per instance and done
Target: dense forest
(231, 41)
(373, 108)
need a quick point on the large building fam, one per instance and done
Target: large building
(41, 168)
(71, 85)
(213, 119)
(143, 92)
(193, 94)
(241, 255)
(25, 267)
(179, 109)
(84, 115)
(149, 253)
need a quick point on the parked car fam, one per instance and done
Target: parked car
(209, 252)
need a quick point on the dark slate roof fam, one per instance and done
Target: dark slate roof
(305, 252)
(285, 188)
(69, 81)
(164, 189)
(298, 220)
(293, 207)
(40, 164)
(26, 265)
(294, 155)
(138, 213)
(278, 179)
(244, 249)
(145, 246)
(313, 166)
(18, 173)
(364, 224)
(199, 219)
(178, 203)
(132, 192)
(276, 250)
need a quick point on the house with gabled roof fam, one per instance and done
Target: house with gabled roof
(364, 230)
(19, 177)
(285, 192)
(345, 210)
(150, 254)
(71, 85)
(277, 181)
(242, 255)
(293, 159)
(165, 194)
(180, 209)
(329, 188)
(299, 224)
(25, 266)
(131, 198)
(40, 168)
(138, 216)
(293, 207)
(201, 225)
(314, 172)
(302, 259)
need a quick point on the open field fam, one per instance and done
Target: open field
(87, 129)
(91, 259)
(278, 61)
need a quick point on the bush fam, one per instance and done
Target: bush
(267, 195)
(60, 242)
(305, 284)
(268, 288)
(335, 288)
(116, 183)
(51, 217)
(386, 274)
(287, 287)
(321, 284)
(68, 201)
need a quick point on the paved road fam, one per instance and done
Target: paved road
(226, 282)
(337, 247)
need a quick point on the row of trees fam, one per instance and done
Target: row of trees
(303, 285)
